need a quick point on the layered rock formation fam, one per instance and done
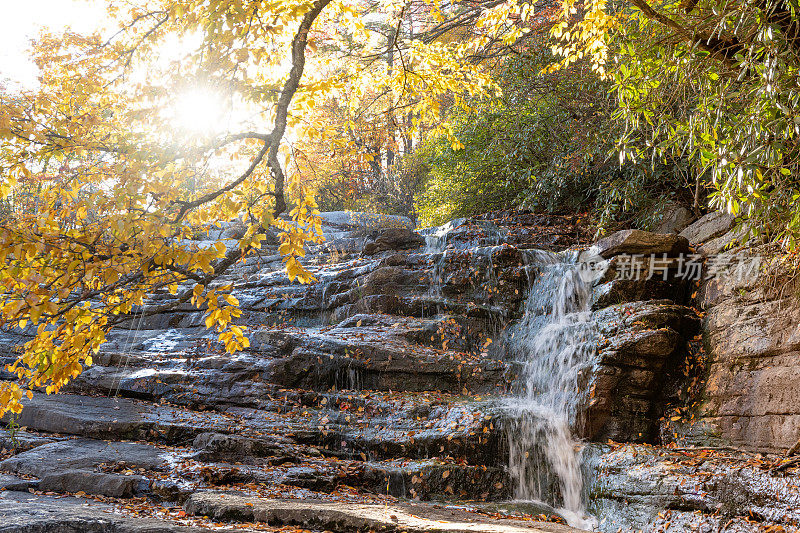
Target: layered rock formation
(380, 383)
(751, 335)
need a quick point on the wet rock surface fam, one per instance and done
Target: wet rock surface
(379, 385)
(657, 489)
(640, 343)
(373, 384)
(90, 466)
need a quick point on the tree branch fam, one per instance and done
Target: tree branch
(270, 149)
(722, 49)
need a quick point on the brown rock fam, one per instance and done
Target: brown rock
(393, 239)
(634, 241)
(752, 340)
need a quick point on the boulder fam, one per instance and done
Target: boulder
(229, 229)
(718, 244)
(89, 466)
(634, 241)
(673, 219)
(393, 239)
(714, 224)
(429, 480)
(375, 361)
(235, 230)
(464, 234)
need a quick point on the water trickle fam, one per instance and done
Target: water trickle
(437, 278)
(435, 244)
(554, 348)
(480, 239)
(436, 238)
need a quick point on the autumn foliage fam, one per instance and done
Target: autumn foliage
(103, 184)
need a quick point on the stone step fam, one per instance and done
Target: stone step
(113, 469)
(350, 517)
(436, 480)
(102, 417)
(23, 512)
(464, 429)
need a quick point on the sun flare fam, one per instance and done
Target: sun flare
(199, 111)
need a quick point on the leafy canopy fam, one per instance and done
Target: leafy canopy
(105, 178)
(714, 81)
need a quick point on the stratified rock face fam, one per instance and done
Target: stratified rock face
(637, 488)
(383, 379)
(751, 334)
(640, 343)
(643, 330)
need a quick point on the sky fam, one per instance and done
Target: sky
(23, 19)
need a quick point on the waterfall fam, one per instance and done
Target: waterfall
(553, 346)
(483, 238)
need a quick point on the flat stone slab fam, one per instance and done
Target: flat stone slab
(349, 517)
(71, 466)
(634, 241)
(102, 417)
(22, 512)
(8, 482)
(21, 440)
(82, 454)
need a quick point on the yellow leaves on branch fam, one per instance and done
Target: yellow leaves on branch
(585, 37)
(55, 355)
(99, 198)
(222, 309)
(11, 398)
(95, 177)
(305, 226)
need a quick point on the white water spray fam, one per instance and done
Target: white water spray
(554, 346)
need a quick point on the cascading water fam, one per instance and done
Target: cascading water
(554, 348)
(484, 238)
